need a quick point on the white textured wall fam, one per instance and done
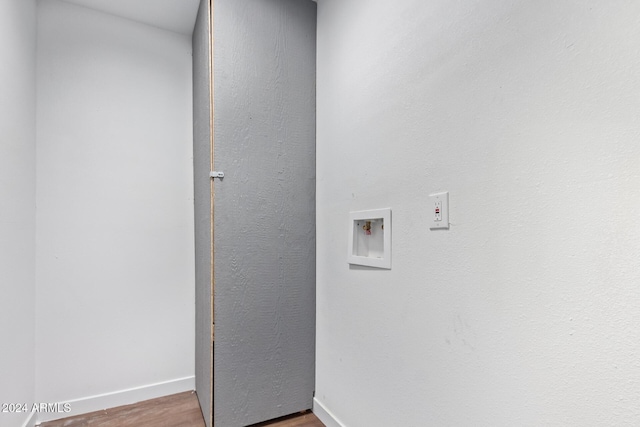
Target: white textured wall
(17, 204)
(526, 311)
(115, 285)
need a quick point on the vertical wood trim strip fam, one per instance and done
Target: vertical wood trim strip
(212, 184)
(211, 155)
(202, 206)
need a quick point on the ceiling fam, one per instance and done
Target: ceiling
(173, 15)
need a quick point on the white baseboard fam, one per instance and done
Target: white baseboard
(30, 421)
(120, 398)
(325, 415)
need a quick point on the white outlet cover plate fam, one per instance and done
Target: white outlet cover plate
(441, 200)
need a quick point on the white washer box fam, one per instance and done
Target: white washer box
(370, 238)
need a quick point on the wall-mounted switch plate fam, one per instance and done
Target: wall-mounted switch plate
(439, 210)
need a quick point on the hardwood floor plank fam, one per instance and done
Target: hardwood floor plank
(306, 419)
(178, 410)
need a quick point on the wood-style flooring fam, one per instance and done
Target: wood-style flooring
(306, 419)
(178, 410)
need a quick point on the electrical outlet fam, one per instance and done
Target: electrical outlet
(439, 207)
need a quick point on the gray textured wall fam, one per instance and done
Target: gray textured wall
(264, 67)
(201, 168)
